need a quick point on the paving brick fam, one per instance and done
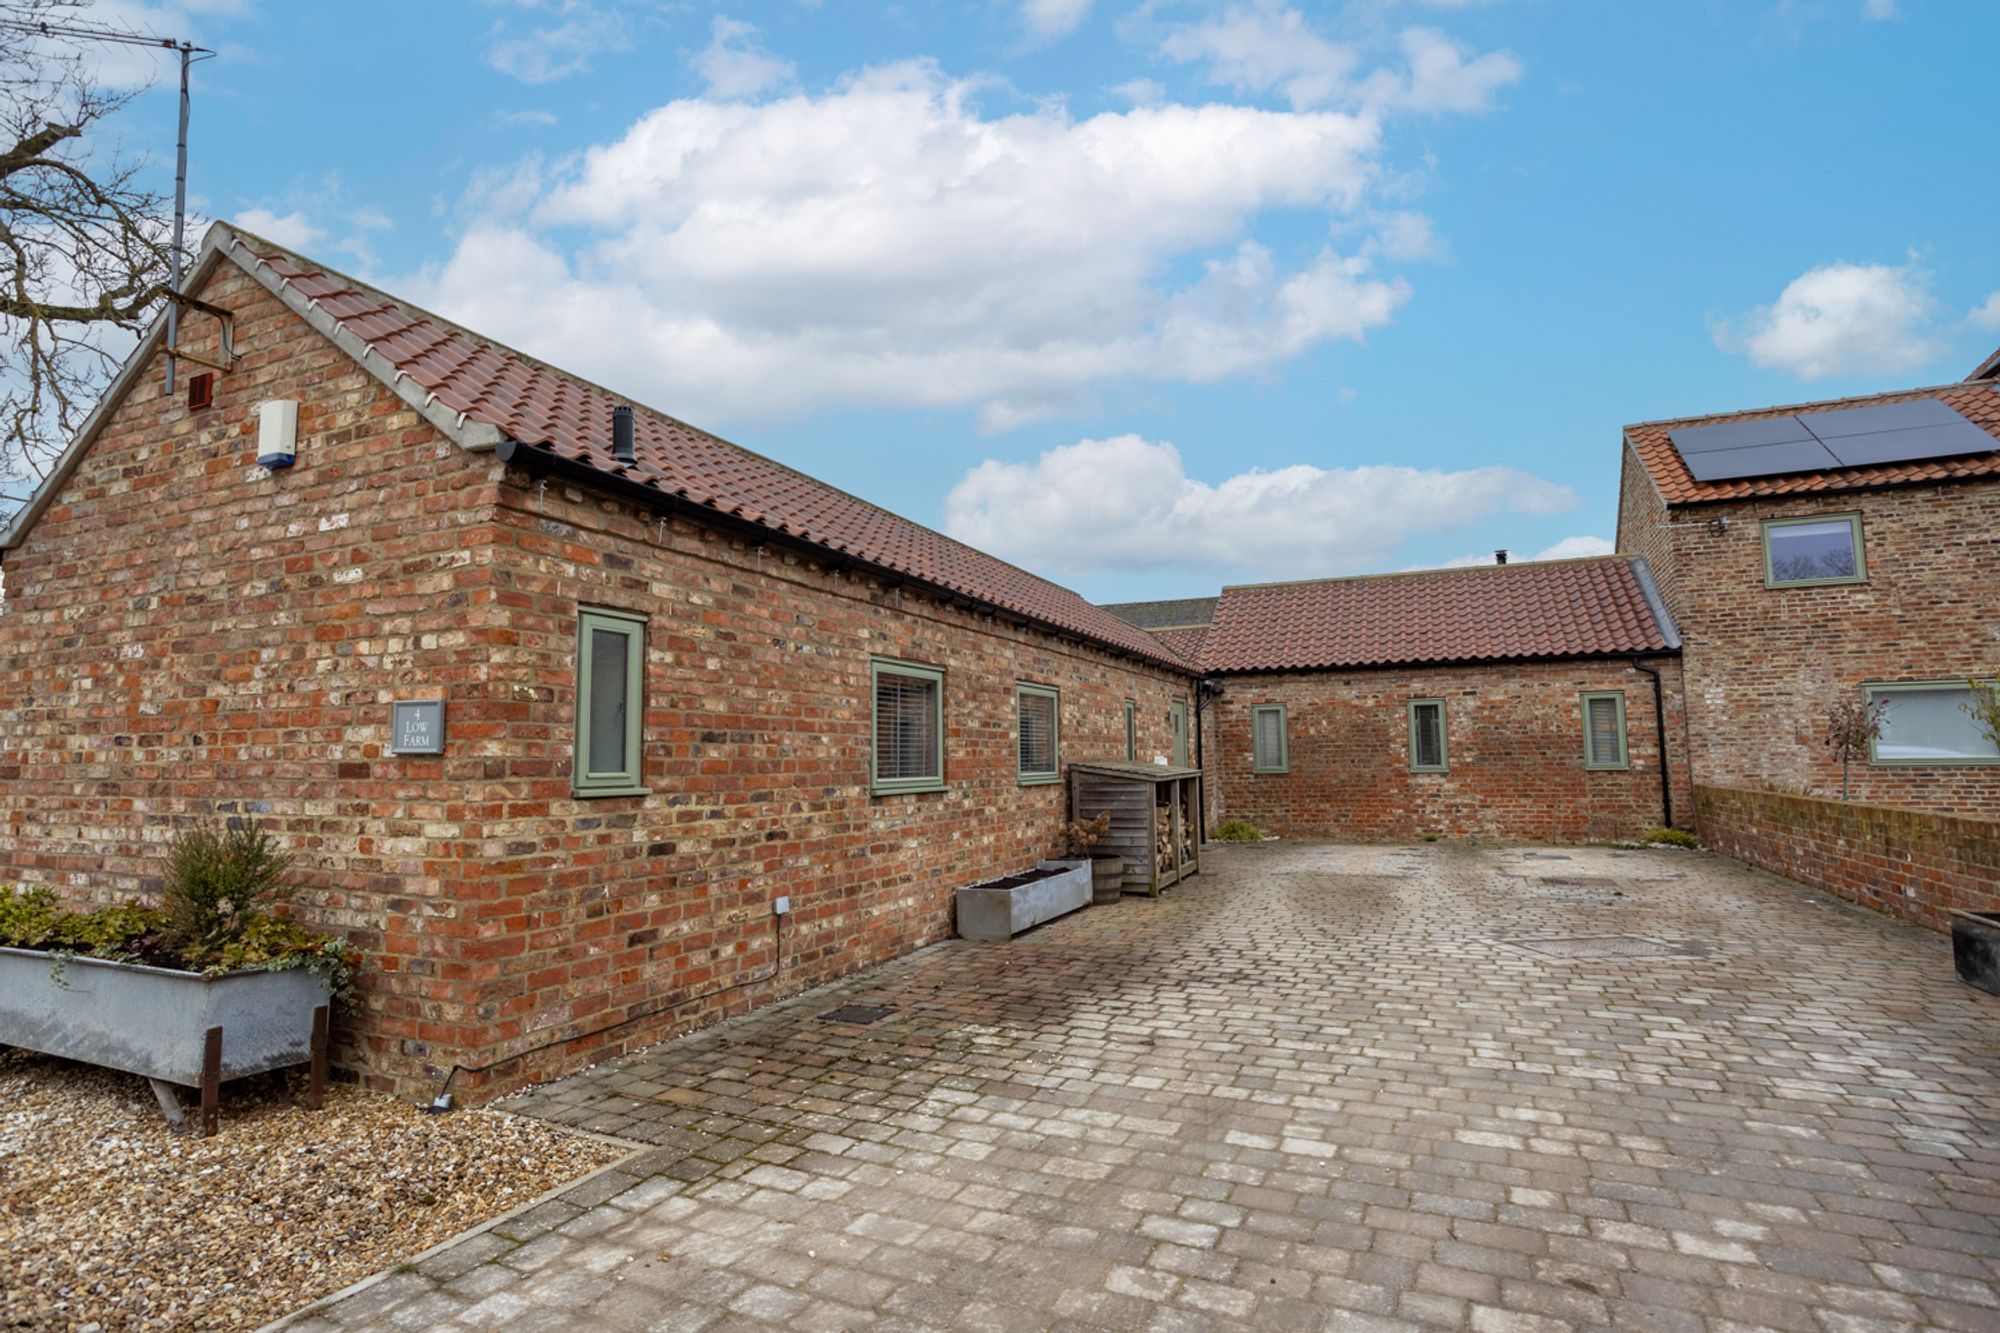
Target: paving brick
(1349, 998)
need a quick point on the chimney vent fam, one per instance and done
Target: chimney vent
(621, 435)
(1500, 556)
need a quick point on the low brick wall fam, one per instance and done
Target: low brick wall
(1909, 863)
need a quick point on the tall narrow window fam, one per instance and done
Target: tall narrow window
(610, 704)
(1270, 748)
(1427, 751)
(1604, 730)
(1177, 720)
(1131, 731)
(1039, 710)
(1799, 552)
(909, 728)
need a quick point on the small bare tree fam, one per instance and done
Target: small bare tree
(83, 245)
(1852, 725)
(1985, 707)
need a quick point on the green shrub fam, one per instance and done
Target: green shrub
(1238, 830)
(213, 917)
(1669, 837)
(217, 880)
(27, 916)
(1430, 837)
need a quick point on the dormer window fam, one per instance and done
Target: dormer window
(1808, 552)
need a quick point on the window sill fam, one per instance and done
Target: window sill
(1934, 763)
(1607, 768)
(924, 789)
(1269, 772)
(1040, 779)
(1430, 772)
(589, 793)
(1814, 583)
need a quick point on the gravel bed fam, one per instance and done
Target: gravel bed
(108, 1217)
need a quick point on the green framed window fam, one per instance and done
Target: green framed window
(1132, 731)
(1427, 747)
(908, 727)
(1177, 720)
(1811, 552)
(1604, 730)
(610, 704)
(1929, 722)
(1039, 710)
(1270, 746)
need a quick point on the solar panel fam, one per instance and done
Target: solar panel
(1882, 417)
(1950, 441)
(1818, 441)
(1763, 460)
(1738, 435)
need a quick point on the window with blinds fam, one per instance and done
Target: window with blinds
(909, 728)
(1038, 708)
(1604, 730)
(610, 704)
(1269, 745)
(1427, 750)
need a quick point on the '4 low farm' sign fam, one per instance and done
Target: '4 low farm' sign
(417, 727)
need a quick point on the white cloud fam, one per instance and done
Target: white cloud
(735, 65)
(887, 244)
(1440, 77)
(1569, 548)
(556, 51)
(1261, 46)
(1986, 315)
(292, 230)
(1048, 19)
(1128, 504)
(530, 117)
(1141, 92)
(1879, 9)
(1840, 319)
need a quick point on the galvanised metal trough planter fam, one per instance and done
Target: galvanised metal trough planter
(1004, 908)
(193, 1029)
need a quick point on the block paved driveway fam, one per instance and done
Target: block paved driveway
(1311, 1089)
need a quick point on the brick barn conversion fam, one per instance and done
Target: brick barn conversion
(669, 682)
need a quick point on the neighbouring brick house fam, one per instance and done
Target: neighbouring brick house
(1798, 589)
(677, 685)
(1507, 701)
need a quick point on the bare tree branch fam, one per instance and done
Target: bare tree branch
(83, 245)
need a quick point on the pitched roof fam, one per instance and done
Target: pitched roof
(1599, 606)
(481, 393)
(1184, 643)
(1987, 369)
(1178, 613)
(1978, 402)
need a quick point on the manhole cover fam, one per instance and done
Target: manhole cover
(861, 1014)
(1605, 946)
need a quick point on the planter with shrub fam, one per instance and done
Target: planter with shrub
(206, 985)
(1107, 873)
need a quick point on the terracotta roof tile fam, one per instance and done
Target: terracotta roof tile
(1488, 613)
(1977, 402)
(1184, 643)
(538, 405)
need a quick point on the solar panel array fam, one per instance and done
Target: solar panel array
(1821, 441)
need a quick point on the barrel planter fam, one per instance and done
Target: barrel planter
(1107, 880)
(189, 1028)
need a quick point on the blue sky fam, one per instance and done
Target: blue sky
(1147, 296)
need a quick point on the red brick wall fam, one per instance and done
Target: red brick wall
(1514, 741)
(757, 744)
(1763, 663)
(1909, 863)
(186, 635)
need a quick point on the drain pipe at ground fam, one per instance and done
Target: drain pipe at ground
(1660, 722)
